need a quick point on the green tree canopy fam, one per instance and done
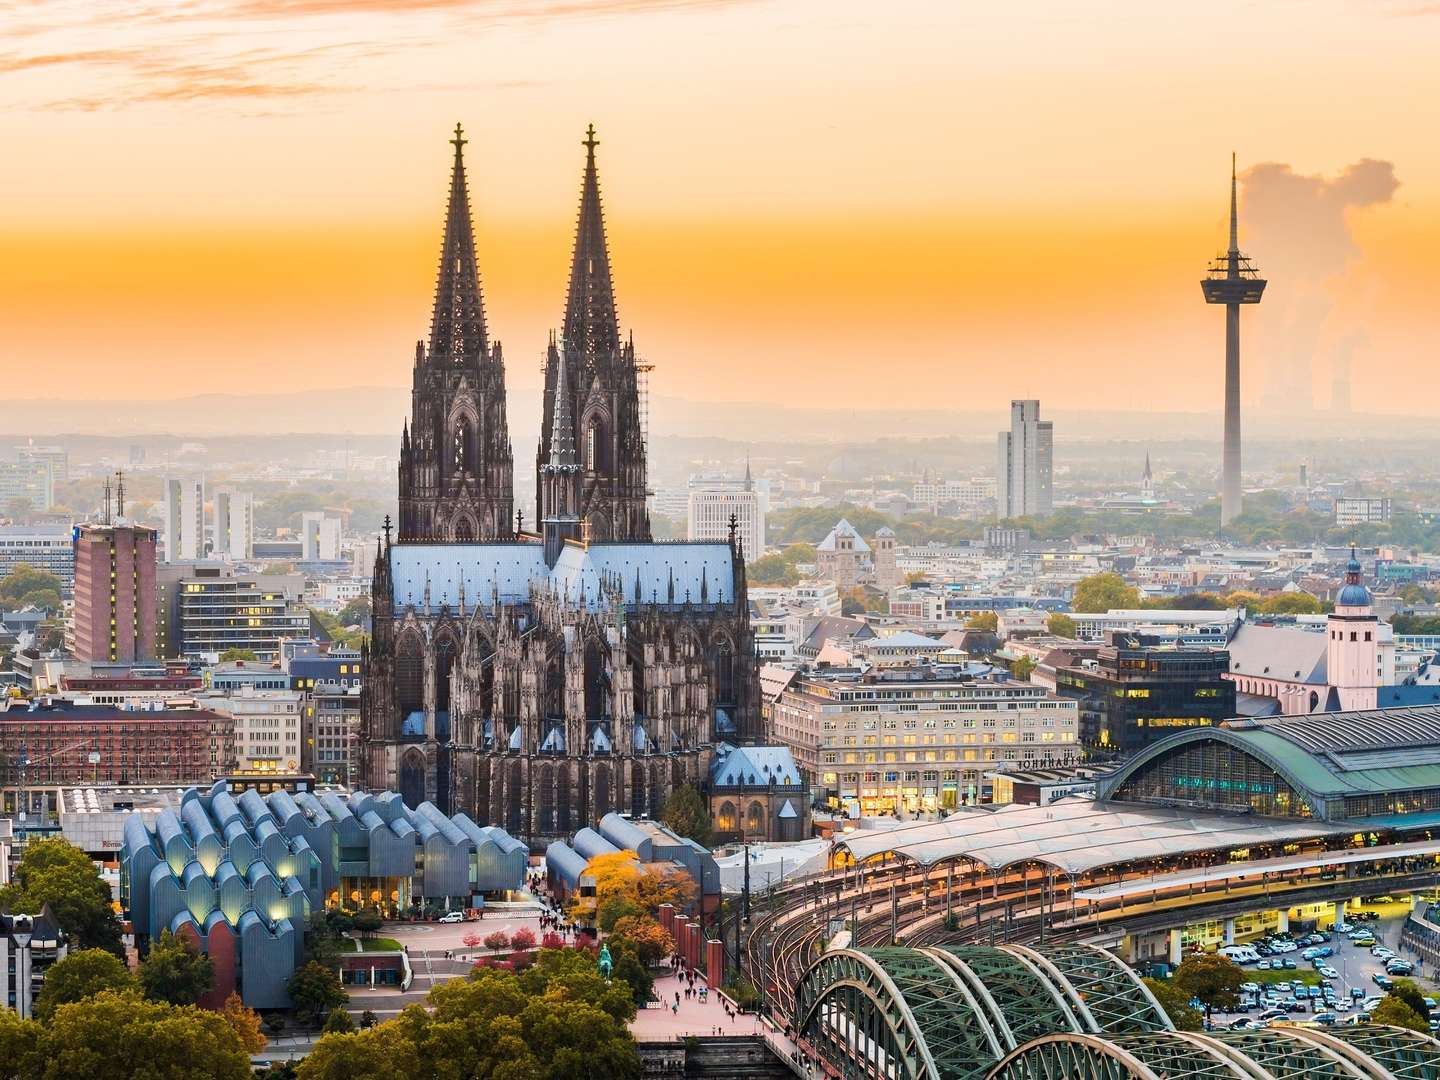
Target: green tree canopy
(82, 974)
(686, 814)
(1396, 1012)
(229, 655)
(1409, 992)
(556, 1022)
(988, 621)
(315, 990)
(1061, 625)
(1176, 1004)
(124, 1037)
(1211, 979)
(57, 873)
(1291, 603)
(356, 611)
(1104, 592)
(175, 971)
(25, 579)
(1022, 668)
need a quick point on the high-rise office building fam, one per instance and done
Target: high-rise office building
(234, 525)
(27, 485)
(319, 537)
(114, 593)
(184, 529)
(57, 457)
(1023, 469)
(711, 505)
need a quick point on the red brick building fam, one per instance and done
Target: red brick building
(55, 744)
(114, 593)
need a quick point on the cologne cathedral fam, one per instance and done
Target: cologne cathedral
(537, 679)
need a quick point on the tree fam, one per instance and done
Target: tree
(1176, 1005)
(339, 1022)
(24, 580)
(314, 991)
(1291, 603)
(229, 655)
(524, 938)
(1407, 991)
(19, 1046)
(1061, 625)
(124, 1037)
(82, 974)
(652, 943)
(367, 923)
(620, 874)
(244, 1022)
(686, 814)
(614, 908)
(175, 971)
(1104, 592)
(57, 873)
(1396, 1012)
(989, 621)
(1022, 668)
(628, 968)
(552, 1023)
(497, 940)
(1211, 979)
(357, 611)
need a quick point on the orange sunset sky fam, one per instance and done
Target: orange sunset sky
(850, 204)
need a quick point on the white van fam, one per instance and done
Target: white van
(1241, 954)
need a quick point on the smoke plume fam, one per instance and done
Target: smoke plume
(1297, 228)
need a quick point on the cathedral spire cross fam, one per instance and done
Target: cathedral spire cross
(459, 140)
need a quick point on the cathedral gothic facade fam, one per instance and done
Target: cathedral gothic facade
(539, 679)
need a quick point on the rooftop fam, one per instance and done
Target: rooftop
(1078, 835)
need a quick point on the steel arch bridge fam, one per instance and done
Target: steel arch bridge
(951, 1013)
(1280, 1053)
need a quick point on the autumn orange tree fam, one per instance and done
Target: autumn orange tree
(652, 943)
(620, 876)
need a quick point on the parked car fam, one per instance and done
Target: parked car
(1326, 1018)
(1399, 967)
(1382, 981)
(1250, 988)
(1264, 965)
(453, 917)
(1273, 1014)
(1357, 992)
(1288, 964)
(1329, 972)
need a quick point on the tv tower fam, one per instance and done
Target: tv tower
(1232, 280)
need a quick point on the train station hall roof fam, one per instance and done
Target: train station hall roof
(1077, 835)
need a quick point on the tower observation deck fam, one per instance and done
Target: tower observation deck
(1232, 280)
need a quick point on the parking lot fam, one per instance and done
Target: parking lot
(1279, 987)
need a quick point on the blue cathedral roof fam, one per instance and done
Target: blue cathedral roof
(512, 568)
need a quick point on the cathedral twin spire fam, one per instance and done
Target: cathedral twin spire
(455, 468)
(457, 327)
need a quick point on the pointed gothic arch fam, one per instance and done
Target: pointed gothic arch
(657, 791)
(412, 777)
(601, 804)
(409, 673)
(545, 801)
(447, 648)
(514, 808)
(596, 681)
(637, 790)
(463, 445)
(564, 792)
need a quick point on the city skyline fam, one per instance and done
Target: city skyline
(833, 194)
